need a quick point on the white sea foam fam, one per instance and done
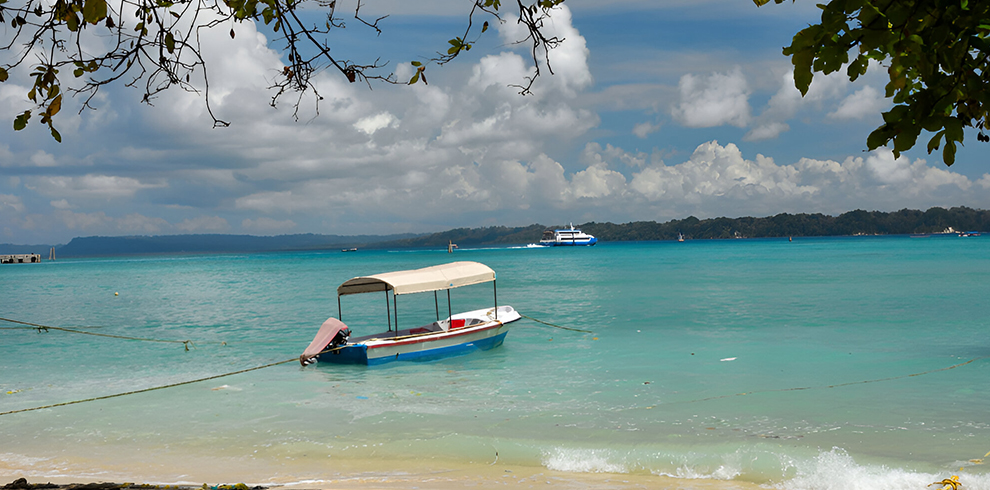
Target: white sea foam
(837, 470)
(582, 461)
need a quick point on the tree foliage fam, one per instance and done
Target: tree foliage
(154, 45)
(935, 53)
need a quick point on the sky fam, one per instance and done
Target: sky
(656, 110)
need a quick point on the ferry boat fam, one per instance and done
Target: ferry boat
(566, 237)
(460, 333)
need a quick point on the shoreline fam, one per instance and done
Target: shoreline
(440, 479)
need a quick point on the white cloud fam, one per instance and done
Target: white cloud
(101, 223)
(787, 103)
(61, 204)
(568, 61)
(266, 225)
(85, 222)
(203, 224)
(720, 98)
(89, 186)
(11, 202)
(368, 125)
(765, 131)
(864, 102)
(597, 181)
(644, 129)
(135, 223)
(43, 159)
(718, 177)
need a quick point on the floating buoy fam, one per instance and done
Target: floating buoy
(116, 293)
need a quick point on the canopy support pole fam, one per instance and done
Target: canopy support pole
(395, 308)
(388, 311)
(436, 303)
(495, 290)
(449, 313)
(338, 309)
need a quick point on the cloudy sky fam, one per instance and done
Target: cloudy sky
(657, 110)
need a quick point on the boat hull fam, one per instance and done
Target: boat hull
(424, 347)
(569, 243)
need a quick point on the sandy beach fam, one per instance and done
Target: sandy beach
(440, 479)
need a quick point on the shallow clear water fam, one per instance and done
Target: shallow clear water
(709, 359)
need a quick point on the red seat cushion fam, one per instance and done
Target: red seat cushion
(457, 323)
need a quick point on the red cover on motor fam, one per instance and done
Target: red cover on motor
(327, 332)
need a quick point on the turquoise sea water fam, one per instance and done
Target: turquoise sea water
(781, 363)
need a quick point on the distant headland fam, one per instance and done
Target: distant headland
(859, 222)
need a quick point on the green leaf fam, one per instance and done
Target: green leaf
(934, 143)
(877, 138)
(56, 135)
(415, 78)
(416, 63)
(55, 106)
(170, 42)
(949, 153)
(20, 122)
(94, 11)
(907, 138)
(484, 27)
(4, 75)
(953, 129)
(802, 70)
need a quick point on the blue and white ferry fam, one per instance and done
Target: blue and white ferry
(566, 237)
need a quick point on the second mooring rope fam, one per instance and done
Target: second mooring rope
(45, 328)
(555, 326)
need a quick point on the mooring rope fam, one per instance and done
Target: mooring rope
(45, 328)
(555, 326)
(153, 388)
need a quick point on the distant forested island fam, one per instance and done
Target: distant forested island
(859, 222)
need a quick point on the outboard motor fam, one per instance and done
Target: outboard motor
(340, 339)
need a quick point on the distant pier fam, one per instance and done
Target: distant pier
(20, 258)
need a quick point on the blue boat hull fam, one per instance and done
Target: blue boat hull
(358, 353)
(569, 243)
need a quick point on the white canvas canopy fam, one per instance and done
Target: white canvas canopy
(435, 278)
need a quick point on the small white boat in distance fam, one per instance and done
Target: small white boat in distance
(456, 334)
(566, 237)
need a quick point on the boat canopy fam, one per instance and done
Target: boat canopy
(435, 278)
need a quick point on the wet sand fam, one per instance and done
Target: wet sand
(473, 476)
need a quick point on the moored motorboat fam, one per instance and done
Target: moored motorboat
(480, 329)
(567, 237)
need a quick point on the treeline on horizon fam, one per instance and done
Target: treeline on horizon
(859, 222)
